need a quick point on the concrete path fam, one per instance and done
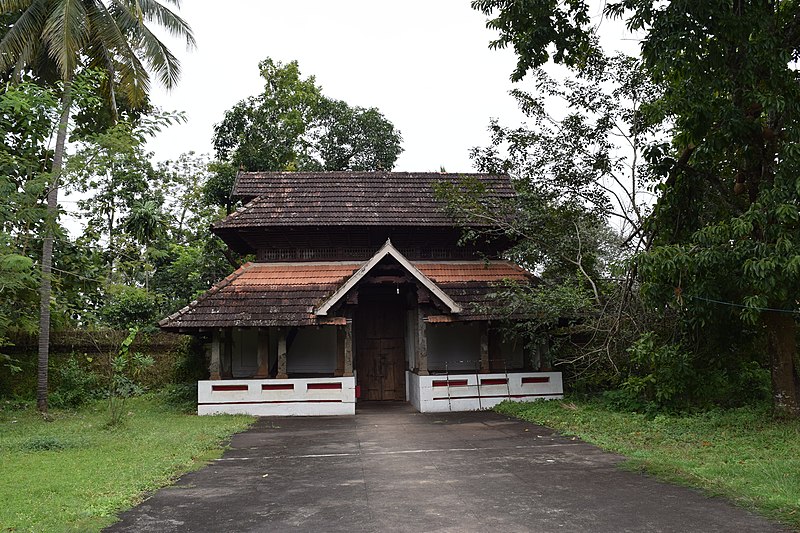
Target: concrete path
(392, 469)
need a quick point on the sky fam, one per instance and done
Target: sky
(425, 65)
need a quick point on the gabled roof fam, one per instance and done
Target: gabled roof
(387, 250)
(349, 198)
(287, 294)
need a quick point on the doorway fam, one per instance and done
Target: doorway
(380, 346)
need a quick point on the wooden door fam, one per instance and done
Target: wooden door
(380, 349)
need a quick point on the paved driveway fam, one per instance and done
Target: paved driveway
(391, 469)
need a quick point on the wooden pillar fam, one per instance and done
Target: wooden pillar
(422, 344)
(348, 348)
(282, 354)
(214, 365)
(340, 343)
(226, 363)
(263, 354)
(484, 327)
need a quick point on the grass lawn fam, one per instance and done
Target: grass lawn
(74, 474)
(743, 454)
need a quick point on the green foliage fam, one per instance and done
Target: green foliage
(573, 173)
(661, 374)
(76, 385)
(723, 239)
(189, 361)
(99, 473)
(292, 126)
(218, 188)
(130, 306)
(535, 27)
(43, 444)
(126, 369)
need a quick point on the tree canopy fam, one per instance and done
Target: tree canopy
(724, 235)
(293, 126)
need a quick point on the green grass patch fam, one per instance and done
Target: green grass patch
(744, 454)
(75, 473)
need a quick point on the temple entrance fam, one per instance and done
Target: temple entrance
(379, 326)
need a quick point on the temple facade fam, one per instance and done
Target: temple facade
(359, 291)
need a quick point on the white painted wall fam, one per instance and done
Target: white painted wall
(299, 399)
(467, 393)
(313, 351)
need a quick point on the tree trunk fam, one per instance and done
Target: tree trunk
(47, 251)
(782, 348)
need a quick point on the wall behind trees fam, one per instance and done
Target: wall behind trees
(92, 352)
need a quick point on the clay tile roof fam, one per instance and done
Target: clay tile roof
(476, 271)
(348, 198)
(260, 294)
(286, 294)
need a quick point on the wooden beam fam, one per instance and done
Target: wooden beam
(348, 349)
(282, 354)
(484, 327)
(226, 366)
(422, 344)
(263, 354)
(214, 365)
(340, 338)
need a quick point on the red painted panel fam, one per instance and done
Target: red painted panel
(489, 396)
(537, 379)
(323, 386)
(494, 381)
(451, 383)
(267, 401)
(278, 386)
(215, 388)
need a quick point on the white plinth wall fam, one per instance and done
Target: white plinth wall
(278, 397)
(473, 392)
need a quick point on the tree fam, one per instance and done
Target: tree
(293, 126)
(111, 36)
(726, 226)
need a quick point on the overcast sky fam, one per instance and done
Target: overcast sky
(425, 64)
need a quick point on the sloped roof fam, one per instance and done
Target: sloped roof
(287, 294)
(348, 198)
(387, 250)
(263, 294)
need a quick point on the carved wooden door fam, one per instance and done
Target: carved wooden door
(380, 349)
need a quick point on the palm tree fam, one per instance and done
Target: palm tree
(111, 35)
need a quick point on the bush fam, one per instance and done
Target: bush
(76, 386)
(130, 306)
(43, 444)
(182, 396)
(190, 365)
(662, 373)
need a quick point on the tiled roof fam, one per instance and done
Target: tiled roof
(260, 294)
(286, 294)
(348, 198)
(475, 271)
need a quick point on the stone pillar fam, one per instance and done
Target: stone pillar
(484, 328)
(263, 354)
(348, 348)
(422, 344)
(282, 354)
(214, 365)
